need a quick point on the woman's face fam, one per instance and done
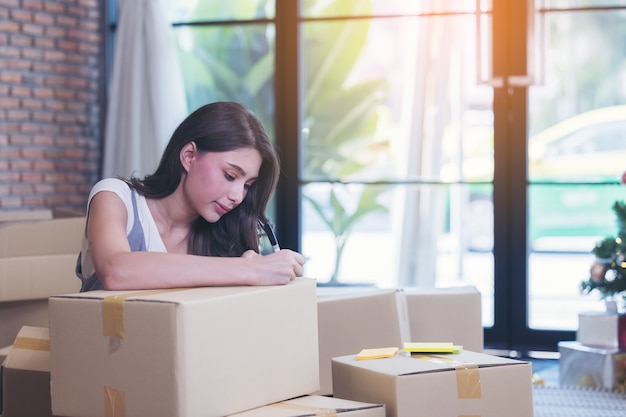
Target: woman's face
(217, 182)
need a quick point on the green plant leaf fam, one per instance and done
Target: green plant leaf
(367, 204)
(260, 74)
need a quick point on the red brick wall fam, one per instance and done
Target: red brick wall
(50, 133)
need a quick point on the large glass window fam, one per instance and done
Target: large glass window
(576, 150)
(397, 146)
(421, 153)
(227, 52)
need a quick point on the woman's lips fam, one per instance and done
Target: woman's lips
(221, 210)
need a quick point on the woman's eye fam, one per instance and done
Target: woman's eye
(228, 176)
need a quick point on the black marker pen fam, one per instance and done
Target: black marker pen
(269, 231)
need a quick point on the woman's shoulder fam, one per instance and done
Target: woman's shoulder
(115, 185)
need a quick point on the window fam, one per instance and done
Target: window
(419, 148)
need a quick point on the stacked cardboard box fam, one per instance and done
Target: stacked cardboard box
(351, 319)
(183, 352)
(446, 315)
(130, 349)
(38, 251)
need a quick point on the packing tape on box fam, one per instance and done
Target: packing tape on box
(327, 412)
(467, 381)
(31, 343)
(114, 402)
(467, 375)
(113, 311)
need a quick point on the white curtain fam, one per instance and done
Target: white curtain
(147, 94)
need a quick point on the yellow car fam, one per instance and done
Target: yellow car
(574, 169)
(588, 147)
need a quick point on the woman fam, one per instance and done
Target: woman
(194, 221)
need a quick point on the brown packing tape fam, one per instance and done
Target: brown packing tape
(327, 412)
(31, 343)
(114, 403)
(468, 381)
(467, 375)
(113, 311)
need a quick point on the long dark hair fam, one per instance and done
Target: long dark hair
(219, 127)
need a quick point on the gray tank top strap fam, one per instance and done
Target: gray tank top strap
(136, 240)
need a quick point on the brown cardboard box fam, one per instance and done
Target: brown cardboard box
(350, 319)
(314, 405)
(191, 352)
(38, 251)
(450, 314)
(38, 257)
(26, 375)
(465, 384)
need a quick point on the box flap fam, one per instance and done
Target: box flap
(309, 405)
(31, 350)
(464, 289)
(177, 295)
(334, 293)
(404, 364)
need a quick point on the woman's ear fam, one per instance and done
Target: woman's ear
(188, 154)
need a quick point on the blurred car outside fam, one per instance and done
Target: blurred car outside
(573, 169)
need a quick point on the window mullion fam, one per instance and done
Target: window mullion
(287, 120)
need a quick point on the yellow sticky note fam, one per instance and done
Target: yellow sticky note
(432, 347)
(377, 353)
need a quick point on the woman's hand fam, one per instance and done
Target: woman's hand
(276, 268)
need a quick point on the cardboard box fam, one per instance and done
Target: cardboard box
(451, 314)
(465, 384)
(38, 257)
(350, 319)
(598, 328)
(314, 405)
(38, 252)
(587, 366)
(191, 352)
(26, 375)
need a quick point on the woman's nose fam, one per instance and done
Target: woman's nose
(237, 193)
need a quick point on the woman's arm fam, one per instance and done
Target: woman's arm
(120, 269)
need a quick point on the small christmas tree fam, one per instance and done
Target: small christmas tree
(608, 271)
